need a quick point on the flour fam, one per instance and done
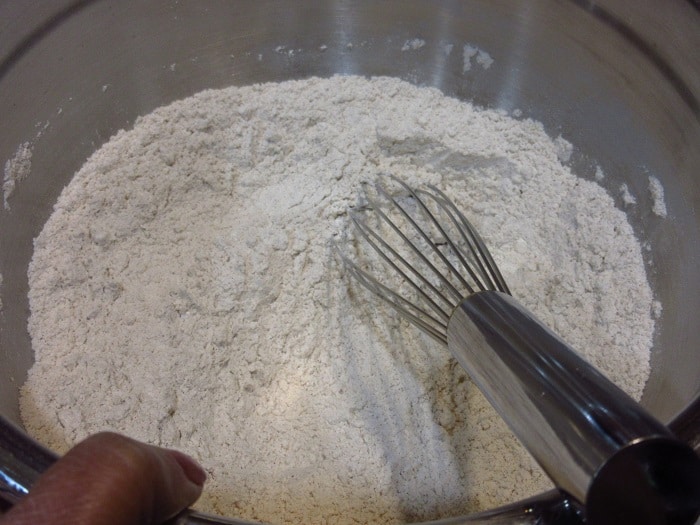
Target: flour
(657, 196)
(481, 57)
(17, 169)
(627, 198)
(185, 292)
(599, 174)
(413, 44)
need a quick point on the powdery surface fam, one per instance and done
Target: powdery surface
(657, 195)
(16, 170)
(185, 292)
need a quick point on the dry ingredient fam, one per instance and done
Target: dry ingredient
(472, 54)
(657, 195)
(17, 168)
(185, 292)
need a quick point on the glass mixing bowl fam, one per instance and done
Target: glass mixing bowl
(619, 79)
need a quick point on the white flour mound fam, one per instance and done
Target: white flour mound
(185, 292)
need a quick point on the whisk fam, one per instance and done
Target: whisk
(595, 442)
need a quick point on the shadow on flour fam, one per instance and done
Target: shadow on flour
(425, 152)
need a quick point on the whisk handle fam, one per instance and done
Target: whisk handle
(593, 440)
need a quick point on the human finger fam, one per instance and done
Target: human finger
(109, 479)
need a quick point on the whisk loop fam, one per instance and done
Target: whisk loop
(593, 440)
(449, 260)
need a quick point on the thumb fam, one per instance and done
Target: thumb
(110, 479)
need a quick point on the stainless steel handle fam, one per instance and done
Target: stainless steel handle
(192, 517)
(23, 460)
(593, 440)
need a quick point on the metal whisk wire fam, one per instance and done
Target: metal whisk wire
(584, 431)
(480, 254)
(427, 228)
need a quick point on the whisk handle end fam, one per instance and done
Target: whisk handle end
(586, 433)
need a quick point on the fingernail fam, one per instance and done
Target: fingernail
(194, 472)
